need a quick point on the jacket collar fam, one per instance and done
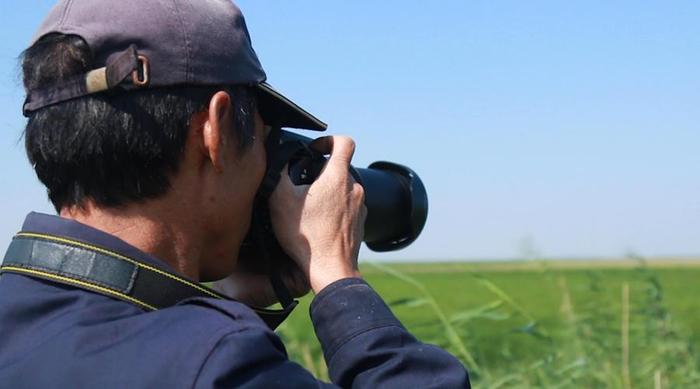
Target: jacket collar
(40, 223)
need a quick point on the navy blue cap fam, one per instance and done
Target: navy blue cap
(157, 43)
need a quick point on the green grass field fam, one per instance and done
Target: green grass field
(543, 324)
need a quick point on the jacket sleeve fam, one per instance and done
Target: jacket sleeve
(365, 346)
(253, 358)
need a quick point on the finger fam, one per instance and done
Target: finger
(339, 145)
(323, 144)
(342, 149)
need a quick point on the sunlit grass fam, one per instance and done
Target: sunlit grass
(543, 324)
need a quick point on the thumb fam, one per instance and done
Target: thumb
(340, 148)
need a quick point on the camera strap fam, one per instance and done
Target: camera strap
(79, 264)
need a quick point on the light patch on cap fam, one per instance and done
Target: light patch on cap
(96, 80)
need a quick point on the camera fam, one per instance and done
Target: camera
(395, 197)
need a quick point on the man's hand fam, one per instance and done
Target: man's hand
(256, 290)
(321, 225)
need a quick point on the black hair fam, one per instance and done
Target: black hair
(112, 148)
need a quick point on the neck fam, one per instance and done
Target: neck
(151, 228)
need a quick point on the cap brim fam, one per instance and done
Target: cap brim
(277, 110)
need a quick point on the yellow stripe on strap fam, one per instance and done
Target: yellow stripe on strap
(78, 283)
(113, 254)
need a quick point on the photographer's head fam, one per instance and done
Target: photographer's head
(179, 138)
(113, 149)
(154, 147)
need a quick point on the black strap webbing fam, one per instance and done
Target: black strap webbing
(99, 270)
(278, 156)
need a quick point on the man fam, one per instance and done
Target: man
(147, 123)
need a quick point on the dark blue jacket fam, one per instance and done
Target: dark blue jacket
(58, 336)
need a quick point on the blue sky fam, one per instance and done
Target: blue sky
(565, 128)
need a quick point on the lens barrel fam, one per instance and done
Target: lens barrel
(397, 206)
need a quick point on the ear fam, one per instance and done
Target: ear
(214, 130)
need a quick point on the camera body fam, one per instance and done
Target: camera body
(395, 197)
